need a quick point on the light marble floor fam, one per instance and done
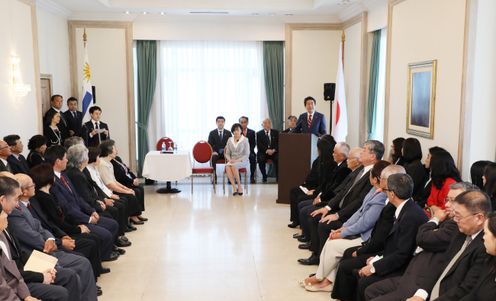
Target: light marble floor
(209, 246)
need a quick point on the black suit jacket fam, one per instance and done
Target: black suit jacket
(353, 198)
(419, 174)
(88, 127)
(38, 213)
(122, 173)
(62, 124)
(263, 142)
(34, 158)
(486, 286)
(18, 165)
(4, 167)
(312, 179)
(74, 124)
(250, 134)
(49, 205)
(401, 241)
(339, 174)
(426, 266)
(215, 142)
(381, 229)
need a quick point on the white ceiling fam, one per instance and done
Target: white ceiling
(333, 10)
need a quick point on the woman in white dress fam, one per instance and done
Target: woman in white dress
(237, 153)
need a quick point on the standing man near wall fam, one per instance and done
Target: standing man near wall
(311, 122)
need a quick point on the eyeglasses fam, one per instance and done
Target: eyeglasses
(29, 186)
(448, 199)
(386, 190)
(458, 218)
(4, 147)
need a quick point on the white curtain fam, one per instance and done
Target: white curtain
(200, 80)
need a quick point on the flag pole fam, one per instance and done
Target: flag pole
(85, 37)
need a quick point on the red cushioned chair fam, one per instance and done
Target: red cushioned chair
(242, 171)
(168, 141)
(202, 153)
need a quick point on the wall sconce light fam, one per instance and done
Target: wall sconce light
(20, 89)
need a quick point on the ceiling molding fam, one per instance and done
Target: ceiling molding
(53, 7)
(352, 11)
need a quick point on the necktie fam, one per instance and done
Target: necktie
(268, 137)
(221, 134)
(65, 183)
(437, 286)
(309, 120)
(74, 115)
(358, 177)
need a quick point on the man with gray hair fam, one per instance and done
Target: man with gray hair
(267, 147)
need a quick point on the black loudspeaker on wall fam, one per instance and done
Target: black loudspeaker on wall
(329, 90)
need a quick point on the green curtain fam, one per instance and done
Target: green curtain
(146, 55)
(273, 61)
(373, 84)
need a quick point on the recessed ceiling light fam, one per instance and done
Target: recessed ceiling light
(127, 12)
(162, 13)
(144, 13)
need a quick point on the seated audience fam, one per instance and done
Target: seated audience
(95, 131)
(26, 234)
(51, 130)
(237, 154)
(74, 118)
(398, 249)
(421, 198)
(86, 245)
(73, 141)
(250, 134)
(443, 174)
(489, 181)
(291, 124)
(305, 208)
(411, 155)
(37, 146)
(354, 232)
(12, 284)
(267, 148)
(76, 209)
(344, 204)
(217, 139)
(16, 160)
(5, 153)
(77, 160)
(486, 286)
(433, 239)
(395, 152)
(73, 236)
(56, 106)
(108, 152)
(125, 176)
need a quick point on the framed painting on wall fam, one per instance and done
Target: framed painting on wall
(421, 98)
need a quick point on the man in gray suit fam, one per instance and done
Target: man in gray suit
(32, 236)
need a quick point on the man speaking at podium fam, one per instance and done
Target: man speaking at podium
(311, 122)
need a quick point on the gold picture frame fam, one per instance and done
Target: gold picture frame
(421, 98)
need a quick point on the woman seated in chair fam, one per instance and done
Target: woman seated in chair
(237, 153)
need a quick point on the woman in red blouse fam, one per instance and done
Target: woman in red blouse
(443, 174)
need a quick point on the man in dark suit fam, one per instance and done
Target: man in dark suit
(311, 122)
(16, 160)
(217, 140)
(250, 134)
(56, 106)
(95, 131)
(74, 118)
(400, 243)
(76, 209)
(291, 124)
(344, 204)
(5, 152)
(267, 147)
(466, 256)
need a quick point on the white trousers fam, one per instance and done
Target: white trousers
(331, 255)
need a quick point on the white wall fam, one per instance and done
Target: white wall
(314, 62)
(107, 58)
(352, 74)
(480, 124)
(19, 115)
(439, 35)
(377, 15)
(53, 40)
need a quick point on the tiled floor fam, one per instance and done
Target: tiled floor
(209, 246)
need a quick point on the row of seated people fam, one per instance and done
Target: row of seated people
(58, 125)
(374, 239)
(73, 203)
(237, 148)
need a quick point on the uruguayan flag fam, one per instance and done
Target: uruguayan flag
(88, 100)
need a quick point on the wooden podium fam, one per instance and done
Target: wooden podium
(296, 154)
